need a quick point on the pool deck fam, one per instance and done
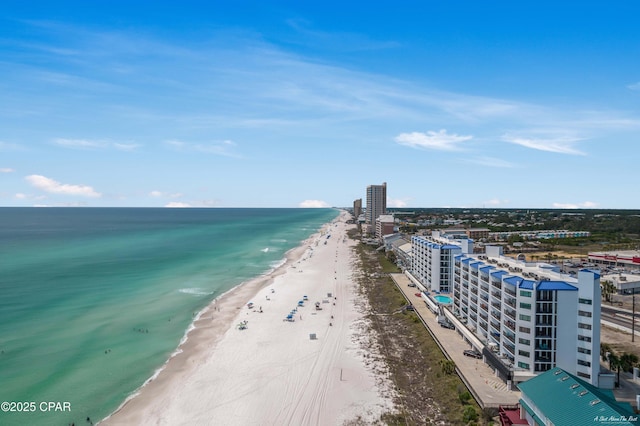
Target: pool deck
(488, 389)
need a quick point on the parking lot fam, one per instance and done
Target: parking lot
(487, 389)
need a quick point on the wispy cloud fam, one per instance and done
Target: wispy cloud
(94, 144)
(176, 204)
(7, 146)
(584, 205)
(490, 162)
(53, 187)
(634, 86)
(225, 148)
(158, 194)
(6, 170)
(557, 144)
(313, 204)
(398, 202)
(440, 140)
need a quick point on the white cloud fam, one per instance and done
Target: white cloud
(399, 203)
(7, 170)
(94, 144)
(634, 86)
(21, 196)
(224, 148)
(156, 194)
(313, 204)
(585, 205)
(557, 144)
(175, 204)
(491, 162)
(6, 146)
(439, 140)
(495, 202)
(51, 186)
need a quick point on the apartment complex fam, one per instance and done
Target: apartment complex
(385, 225)
(529, 317)
(357, 208)
(376, 204)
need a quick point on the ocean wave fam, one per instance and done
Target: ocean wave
(278, 240)
(265, 250)
(195, 291)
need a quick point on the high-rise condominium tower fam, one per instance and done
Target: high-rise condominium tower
(376, 202)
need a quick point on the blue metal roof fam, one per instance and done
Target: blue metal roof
(476, 264)
(513, 280)
(526, 285)
(458, 257)
(486, 268)
(467, 260)
(498, 274)
(596, 272)
(555, 285)
(450, 246)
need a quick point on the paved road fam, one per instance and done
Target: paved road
(489, 390)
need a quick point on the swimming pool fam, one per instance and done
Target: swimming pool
(445, 300)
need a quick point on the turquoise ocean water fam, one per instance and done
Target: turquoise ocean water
(93, 301)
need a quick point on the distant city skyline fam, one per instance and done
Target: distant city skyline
(462, 104)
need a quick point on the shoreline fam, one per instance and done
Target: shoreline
(201, 342)
(197, 328)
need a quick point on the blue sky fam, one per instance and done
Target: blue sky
(286, 104)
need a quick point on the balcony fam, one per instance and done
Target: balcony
(510, 324)
(484, 316)
(484, 297)
(511, 348)
(484, 288)
(496, 284)
(474, 290)
(509, 291)
(496, 294)
(474, 273)
(511, 337)
(496, 315)
(474, 281)
(496, 305)
(511, 302)
(484, 306)
(465, 277)
(510, 313)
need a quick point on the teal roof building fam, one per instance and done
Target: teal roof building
(560, 398)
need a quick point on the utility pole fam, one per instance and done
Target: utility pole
(633, 316)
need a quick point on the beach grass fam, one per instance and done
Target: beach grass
(426, 393)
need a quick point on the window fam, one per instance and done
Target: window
(585, 314)
(525, 293)
(585, 301)
(524, 353)
(584, 351)
(584, 326)
(523, 365)
(524, 341)
(585, 363)
(585, 375)
(525, 305)
(584, 338)
(525, 317)
(524, 329)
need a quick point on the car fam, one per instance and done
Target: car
(411, 285)
(447, 324)
(472, 353)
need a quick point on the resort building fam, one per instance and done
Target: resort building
(357, 208)
(558, 397)
(376, 204)
(385, 225)
(537, 235)
(627, 259)
(432, 261)
(525, 318)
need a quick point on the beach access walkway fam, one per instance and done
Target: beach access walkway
(487, 389)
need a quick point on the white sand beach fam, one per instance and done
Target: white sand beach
(273, 372)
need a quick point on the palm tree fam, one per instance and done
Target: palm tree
(614, 362)
(628, 361)
(608, 288)
(604, 348)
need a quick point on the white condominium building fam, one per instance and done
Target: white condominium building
(529, 316)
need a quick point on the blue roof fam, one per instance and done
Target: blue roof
(486, 268)
(467, 260)
(596, 272)
(498, 274)
(458, 257)
(450, 247)
(527, 284)
(513, 280)
(476, 264)
(555, 285)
